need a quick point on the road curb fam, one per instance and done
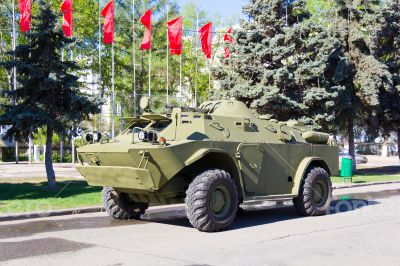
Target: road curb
(365, 184)
(32, 215)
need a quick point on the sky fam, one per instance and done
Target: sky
(226, 8)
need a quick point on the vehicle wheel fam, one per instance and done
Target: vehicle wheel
(315, 193)
(212, 201)
(121, 206)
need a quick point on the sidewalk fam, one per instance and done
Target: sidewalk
(25, 170)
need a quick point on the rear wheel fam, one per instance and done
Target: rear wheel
(121, 206)
(315, 193)
(212, 201)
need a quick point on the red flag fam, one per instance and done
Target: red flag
(228, 39)
(206, 39)
(227, 53)
(227, 36)
(25, 8)
(146, 21)
(175, 35)
(66, 9)
(108, 27)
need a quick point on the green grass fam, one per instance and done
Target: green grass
(367, 178)
(31, 195)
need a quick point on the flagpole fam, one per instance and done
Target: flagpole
(196, 47)
(61, 142)
(150, 74)
(99, 81)
(14, 70)
(167, 59)
(180, 78)
(134, 59)
(209, 73)
(112, 93)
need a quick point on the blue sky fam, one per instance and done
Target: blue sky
(226, 8)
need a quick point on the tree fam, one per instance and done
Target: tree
(385, 45)
(331, 63)
(47, 94)
(365, 78)
(279, 62)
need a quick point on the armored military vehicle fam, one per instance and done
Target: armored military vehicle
(213, 159)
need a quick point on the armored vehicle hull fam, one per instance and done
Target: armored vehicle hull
(212, 159)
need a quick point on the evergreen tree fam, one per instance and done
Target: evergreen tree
(385, 45)
(336, 71)
(280, 59)
(364, 78)
(48, 94)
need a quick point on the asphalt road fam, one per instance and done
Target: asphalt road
(362, 228)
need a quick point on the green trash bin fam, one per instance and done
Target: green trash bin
(346, 170)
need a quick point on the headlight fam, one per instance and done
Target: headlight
(142, 135)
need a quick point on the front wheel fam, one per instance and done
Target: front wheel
(315, 193)
(121, 206)
(212, 201)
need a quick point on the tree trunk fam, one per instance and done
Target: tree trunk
(51, 178)
(398, 142)
(350, 132)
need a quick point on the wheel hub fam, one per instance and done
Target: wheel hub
(217, 201)
(319, 194)
(220, 201)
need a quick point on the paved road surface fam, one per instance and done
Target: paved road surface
(366, 234)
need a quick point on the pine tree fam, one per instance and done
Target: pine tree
(385, 45)
(337, 71)
(48, 94)
(363, 76)
(279, 62)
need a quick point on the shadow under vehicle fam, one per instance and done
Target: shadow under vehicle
(213, 159)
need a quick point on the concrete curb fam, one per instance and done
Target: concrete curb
(365, 184)
(32, 215)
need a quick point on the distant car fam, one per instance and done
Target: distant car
(359, 158)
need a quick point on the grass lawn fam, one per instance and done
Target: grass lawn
(367, 178)
(30, 195)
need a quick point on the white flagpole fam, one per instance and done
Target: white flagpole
(73, 137)
(134, 59)
(14, 44)
(14, 41)
(61, 142)
(209, 73)
(180, 78)
(112, 94)
(167, 58)
(150, 74)
(99, 81)
(196, 47)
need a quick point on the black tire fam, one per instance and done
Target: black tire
(212, 201)
(120, 206)
(315, 193)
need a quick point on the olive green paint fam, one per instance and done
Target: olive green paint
(266, 158)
